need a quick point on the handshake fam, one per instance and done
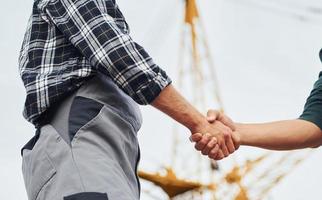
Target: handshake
(217, 138)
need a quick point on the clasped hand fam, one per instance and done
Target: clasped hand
(216, 138)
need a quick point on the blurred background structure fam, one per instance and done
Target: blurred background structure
(256, 59)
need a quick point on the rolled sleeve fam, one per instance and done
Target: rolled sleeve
(313, 106)
(101, 39)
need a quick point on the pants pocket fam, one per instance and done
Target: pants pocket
(37, 170)
(87, 196)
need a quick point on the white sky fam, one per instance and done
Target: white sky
(266, 55)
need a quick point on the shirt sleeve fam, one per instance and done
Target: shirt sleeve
(313, 106)
(108, 48)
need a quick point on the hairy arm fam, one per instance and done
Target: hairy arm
(112, 52)
(174, 105)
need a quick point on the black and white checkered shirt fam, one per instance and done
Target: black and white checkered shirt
(69, 41)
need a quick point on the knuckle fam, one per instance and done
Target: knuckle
(213, 155)
(203, 143)
(220, 141)
(209, 145)
(213, 152)
(226, 134)
(222, 145)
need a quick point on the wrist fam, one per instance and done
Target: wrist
(197, 124)
(174, 105)
(241, 130)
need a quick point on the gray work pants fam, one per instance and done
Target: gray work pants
(88, 150)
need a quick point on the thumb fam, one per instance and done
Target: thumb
(212, 115)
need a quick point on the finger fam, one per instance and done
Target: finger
(212, 115)
(220, 155)
(211, 144)
(195, 137)
(229, 143)
(213, 153)
(230, 146)
(203, 142)
(224, 150)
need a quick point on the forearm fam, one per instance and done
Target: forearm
(215, 139)
(280, 135)
(174, 105)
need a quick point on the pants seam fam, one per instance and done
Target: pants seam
(78, 171)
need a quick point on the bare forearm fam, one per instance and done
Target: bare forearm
(280, 135)
(174, 105)
(215, 139)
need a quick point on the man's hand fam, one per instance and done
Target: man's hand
(232, 142)
(216, 138)
(216, 142)
(214, 115)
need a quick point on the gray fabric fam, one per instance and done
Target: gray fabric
(105, 91)
(102, 157)
(60, 118)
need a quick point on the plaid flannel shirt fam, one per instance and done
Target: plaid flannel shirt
(69, 41)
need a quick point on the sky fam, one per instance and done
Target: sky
(266, 57)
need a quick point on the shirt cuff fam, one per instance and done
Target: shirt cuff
(150, 91)
(314, 116)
